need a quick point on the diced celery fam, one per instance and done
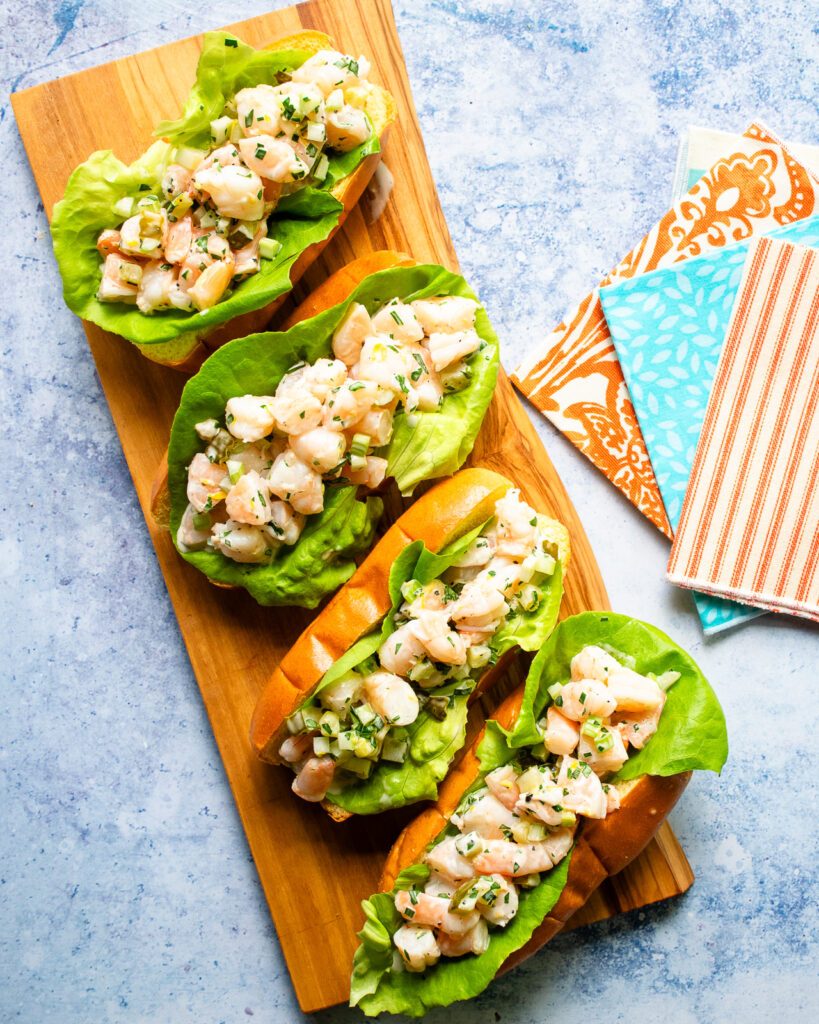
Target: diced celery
(321, 168)
(202, 520)
(365, 714)
(321, 746)
(469, 844)
(207, 219)
(220, 130)
(359, 767)
(131, 273)
(529, 597)
(295, 723)
(124, 207)
(329, 723)
(235, 470)
(179, 206)
(269, 248)
(554, 690)
(394, 750)
(528, 881)
(346, 740)
(316, 132)
(189, 158)
(478, 656)
(335, 101)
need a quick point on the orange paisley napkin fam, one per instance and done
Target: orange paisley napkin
(578, 384)
(749, 528)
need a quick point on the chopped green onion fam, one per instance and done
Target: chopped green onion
(124, 207)
(269, 248)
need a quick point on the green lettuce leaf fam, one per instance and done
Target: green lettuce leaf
(254, 365)
(96, 185)
(374, 988)
(691, 733)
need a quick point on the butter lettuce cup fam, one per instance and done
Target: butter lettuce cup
(565, 786)
(200, 239)
(282, 438)
(368, 710)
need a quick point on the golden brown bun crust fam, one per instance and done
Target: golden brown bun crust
(447, 511)
(382, 112)
(602, 849)
(332, 291)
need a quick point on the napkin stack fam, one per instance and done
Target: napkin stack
(629, 375)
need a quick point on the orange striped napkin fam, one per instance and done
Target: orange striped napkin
(749, 528)
(574, 377)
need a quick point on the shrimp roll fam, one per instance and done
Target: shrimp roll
(281, 437)
(199, 239)
(566, 785)
(369, 709)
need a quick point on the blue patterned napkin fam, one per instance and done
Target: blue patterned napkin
(668, 328)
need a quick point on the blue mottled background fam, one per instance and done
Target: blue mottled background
(127, 892)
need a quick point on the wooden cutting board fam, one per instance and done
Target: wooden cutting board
(314, 872)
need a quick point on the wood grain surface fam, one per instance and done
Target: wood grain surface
(314, 872)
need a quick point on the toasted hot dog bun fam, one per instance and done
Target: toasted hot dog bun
(442, 515)
(335, 289)
(381, 110)
(603, 847)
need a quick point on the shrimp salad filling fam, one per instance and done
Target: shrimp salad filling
(184, 246)
(442, 637)
(522, 818)
(266, 465)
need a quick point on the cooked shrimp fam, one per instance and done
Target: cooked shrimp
(331, 70)
(490, 818)
(560, 733)
(612, 799)
(349, 336)
(314, 778)
(476, 940)
(341, 695)
(376, 424)
(235, 190)
(446, 349)
(323, 376)
(296, 748)
(480, 604)
(259, 455)
(401, 651)
(346, 128)
(295, 410)
(259, 110)
(249, 417)
(434, 912)
(178, 241)
(582, 698)
(417, 947)
(346, 404)
(440, 642)
(189, 537)
(205, 480)
(445, 860)
(399, 320)
(392, 697)
(516, 529)
(108, 242)
(500, 903)
(593, 663)
(447, 313)
(241, 542)
(248, 500)
(321, 448)
(517, 859)
(585, 794)
(294, 481)
(479, 552)
(637, 729)
(115, 285)
(611, 759)
(212, 284)
(437, 885)
(503, 785)
(246, 259)
(155, 286)
(372, 475)
(176, 179)
(634, 692)
(384, 363)
(285, 524)
(273, 159)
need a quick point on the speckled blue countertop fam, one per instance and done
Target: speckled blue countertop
(127, 892)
